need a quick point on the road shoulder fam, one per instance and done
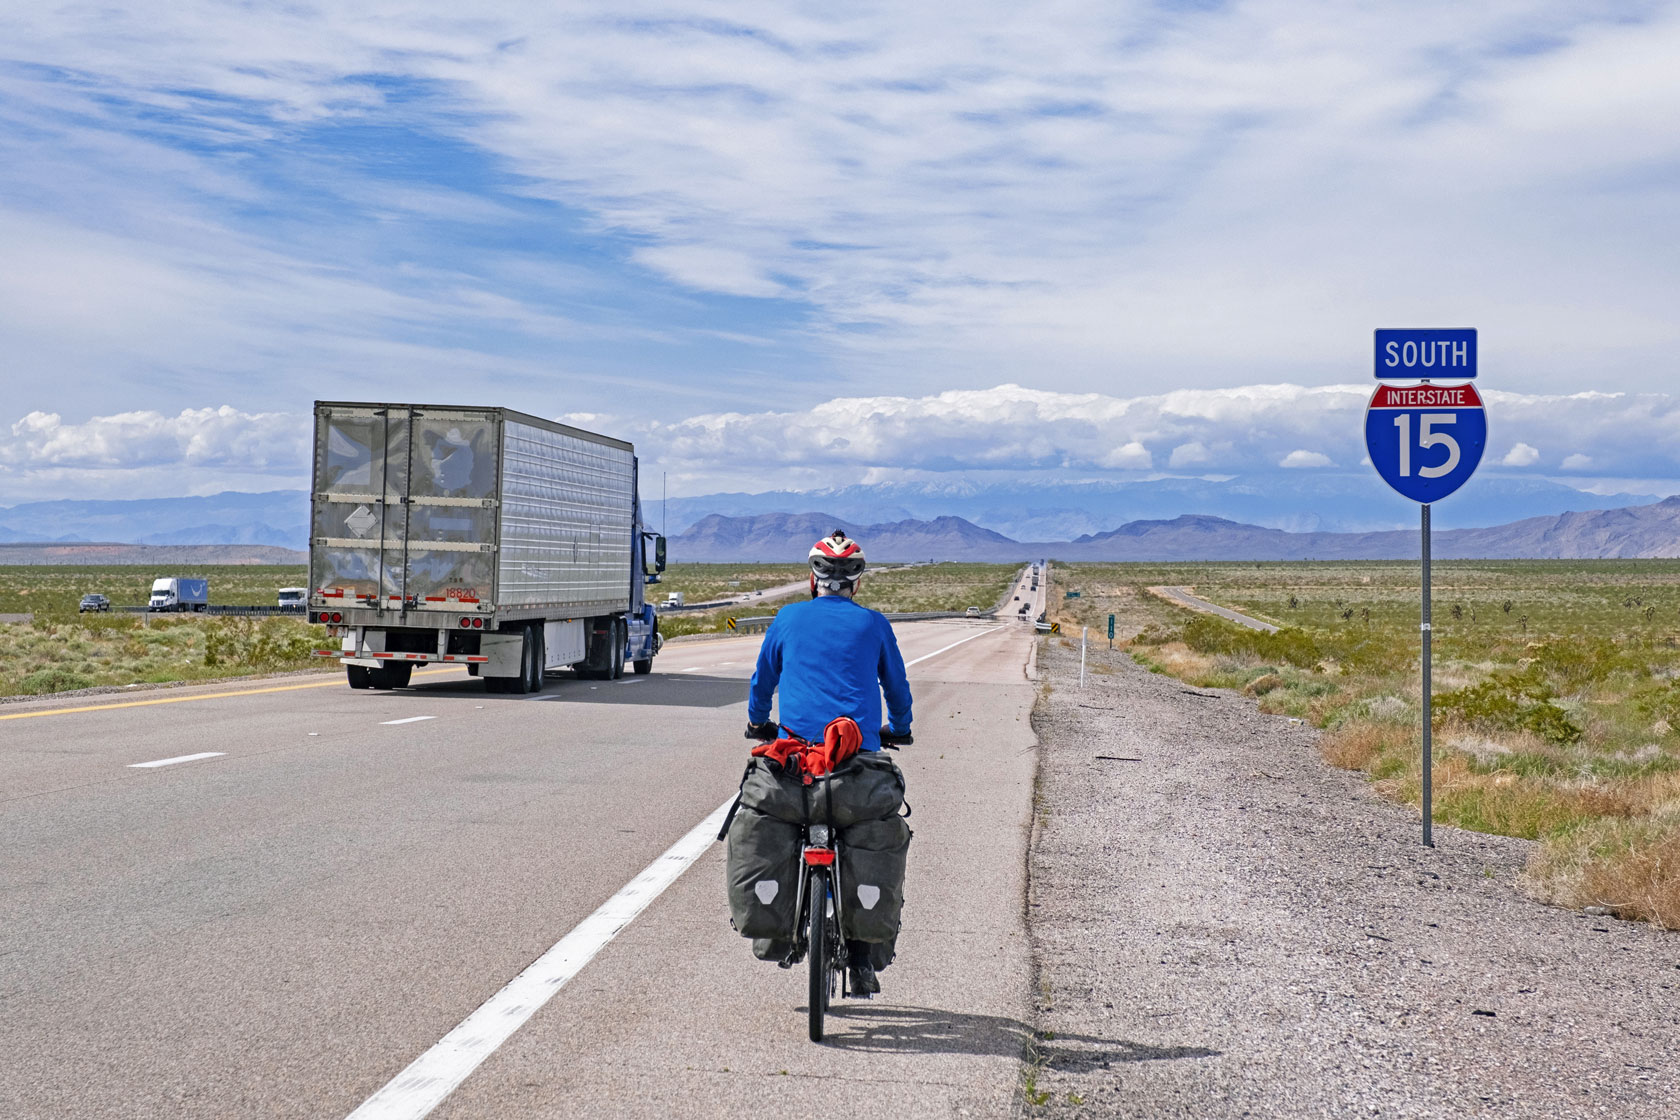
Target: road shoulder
(1222, 925)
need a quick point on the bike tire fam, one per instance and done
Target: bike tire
(817, 1004)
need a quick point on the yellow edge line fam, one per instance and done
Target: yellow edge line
(186, 699)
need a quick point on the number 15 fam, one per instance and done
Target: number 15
(1426, 439)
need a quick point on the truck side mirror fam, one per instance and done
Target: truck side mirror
(659, 554)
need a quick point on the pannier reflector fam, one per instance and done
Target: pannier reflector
(766, 890)
(868, 896)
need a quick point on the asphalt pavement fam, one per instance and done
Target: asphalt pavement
(330, 881)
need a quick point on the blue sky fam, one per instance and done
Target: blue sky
(830, 223)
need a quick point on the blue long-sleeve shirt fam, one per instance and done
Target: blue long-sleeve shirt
(830, 657)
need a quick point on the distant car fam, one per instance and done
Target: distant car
(972, 612)
(1017, 598)
(94, 603)
(293, 598)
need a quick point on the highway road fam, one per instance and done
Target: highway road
(329, 882)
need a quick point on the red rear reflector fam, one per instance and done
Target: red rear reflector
(819, 857)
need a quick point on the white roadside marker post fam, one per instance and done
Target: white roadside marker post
(1084, 633)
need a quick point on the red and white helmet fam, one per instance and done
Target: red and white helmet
(836, 562)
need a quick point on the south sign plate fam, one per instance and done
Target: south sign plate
(1425, 440)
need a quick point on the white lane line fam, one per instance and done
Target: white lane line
(173, 761)
(641, 681)
(410, 719)
(434, 1075)
(550, 696)
(693, 669)
(953, 645)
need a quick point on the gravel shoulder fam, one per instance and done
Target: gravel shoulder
(1230, 927)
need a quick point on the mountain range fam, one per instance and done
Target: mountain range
(1038, 509)
(279, 520)
(1640, 531)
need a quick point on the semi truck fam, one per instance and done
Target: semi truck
(179, 593)
(477, 536)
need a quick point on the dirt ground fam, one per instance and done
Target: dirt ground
(1225, 926)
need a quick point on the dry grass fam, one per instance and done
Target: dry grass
(63, 653)
(1629, 866)
(1565, 727)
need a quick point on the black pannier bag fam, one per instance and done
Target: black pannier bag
(866, 788)
(762, 868)
(873, 855)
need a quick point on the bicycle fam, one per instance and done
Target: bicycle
(818, 916)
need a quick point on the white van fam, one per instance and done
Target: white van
(294, 598)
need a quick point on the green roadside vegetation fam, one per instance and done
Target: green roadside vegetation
(1557, 693)
(927, 587)
(59, 649)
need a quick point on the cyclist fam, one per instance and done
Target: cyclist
(831, 657)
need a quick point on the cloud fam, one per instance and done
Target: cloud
(1250, 431)
(196, 437)
(1192, 454)
(1128, 195)
(1630, 442)
(1305, 459)
(150, 454)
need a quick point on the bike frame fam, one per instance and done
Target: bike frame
(827, 856)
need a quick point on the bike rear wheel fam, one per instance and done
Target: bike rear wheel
(818, 954)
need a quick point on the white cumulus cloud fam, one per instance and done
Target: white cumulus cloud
(1520, 455)
(1301, 458)
(1577, 462)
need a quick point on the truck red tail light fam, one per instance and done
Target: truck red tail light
(478, 624)
(337, 618)
(466, 623)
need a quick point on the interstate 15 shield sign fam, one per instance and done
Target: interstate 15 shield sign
(1425, 440)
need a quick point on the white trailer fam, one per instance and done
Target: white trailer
(479, 536)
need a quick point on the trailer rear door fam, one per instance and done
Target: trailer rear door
(405, 513)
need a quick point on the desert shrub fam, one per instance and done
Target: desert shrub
(1631, 866)
(1580, 661)
(1206, 634)
(1662, 704)
(1509, 702)
(1263, 684)
(54, 678)
(244, 643)
(1154, 635)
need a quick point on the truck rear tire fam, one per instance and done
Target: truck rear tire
(392, 674)
(531, 660)
(620, 635)
(360, 676)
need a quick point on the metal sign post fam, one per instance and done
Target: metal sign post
(1428, 717)
(1426, 441)
(1110, 631)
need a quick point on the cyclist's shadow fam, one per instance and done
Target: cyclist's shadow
(873, 1028)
